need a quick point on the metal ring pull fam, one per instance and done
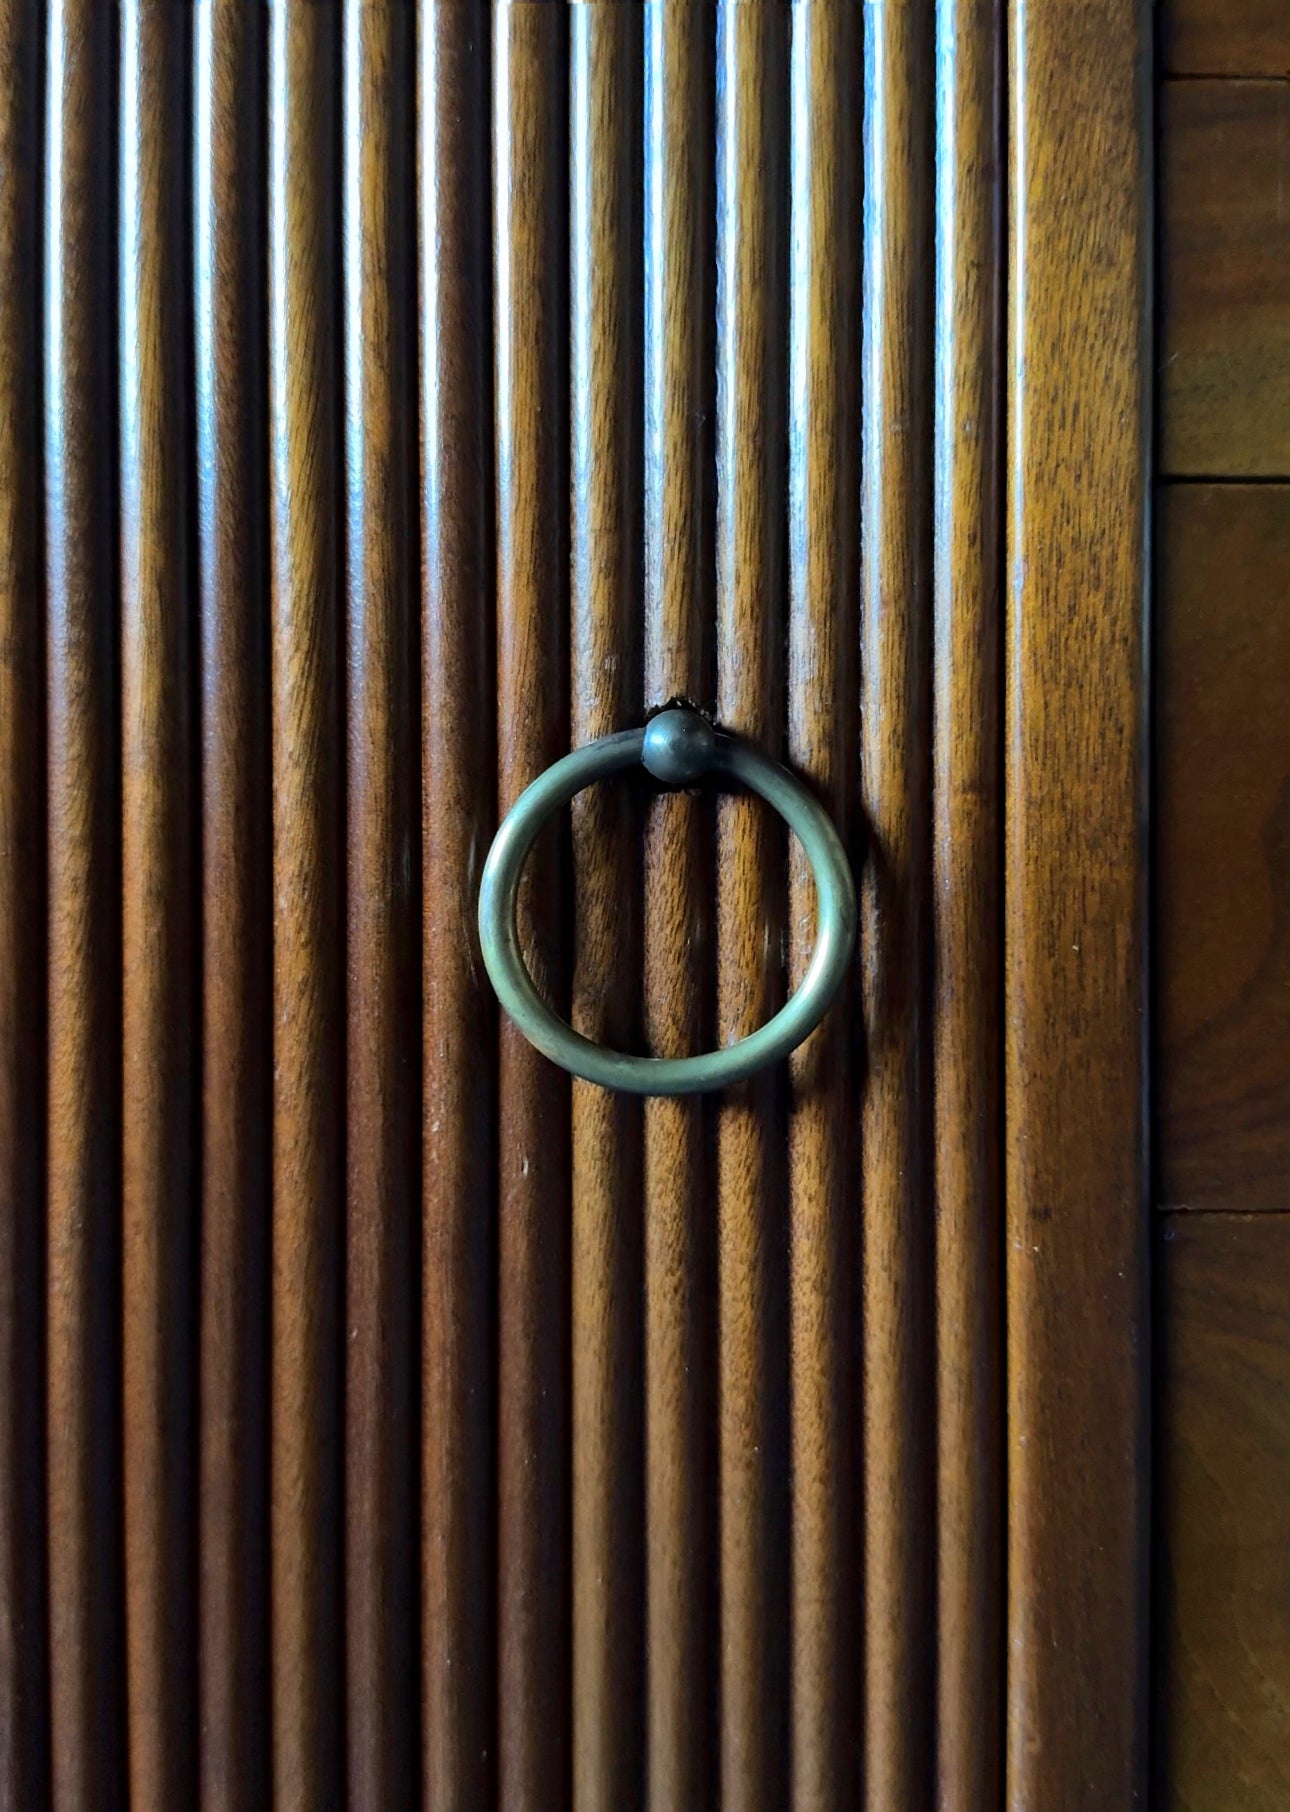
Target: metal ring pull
(677, 747)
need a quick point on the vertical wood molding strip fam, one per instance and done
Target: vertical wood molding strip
(308, 1724)
(24, 1663)
(1075, 959)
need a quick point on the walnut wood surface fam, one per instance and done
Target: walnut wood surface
(966, 906)
(229, 329)
(680, 1244)
(24, 1666)
(87, 1637)
(1222, 1690)
(383, 902)
(458, 1042)
(1074, 908)
(1224, 38)
(895, 738)
(530, 289)
(605, 58)
(751, 126)
(308, 936)
(1223, 846)
(1224, 353)
(158, 1235)
(824, 1072)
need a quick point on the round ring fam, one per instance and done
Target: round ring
(676, 746)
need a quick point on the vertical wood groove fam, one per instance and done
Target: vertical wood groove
(158, 1167)
(966, 907)
(751, 134)
(84, 1076)
(1074, 959)
(24, 1684)
(894, 765)
(230, 325)
(681, 1702)
(309, 1042)
(459, 1024)
(823, 435)
(530, 187)
(605, 616)
(383, 1091)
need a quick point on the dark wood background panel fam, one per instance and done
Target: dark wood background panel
(307, 1454)
(824, 1072)
(605, 64)
(24, 1675)
(1224, 280)
(383, 1084)
(895, 747)
(531, 349)
(87, 1636)
(229, 329)
(680, 1243)
(751, 129)
(159, 1168)
(966, 916)
(1223, 1513)
(459, 1044)
(1224, 37)
(1074, 908)
(1223, 846)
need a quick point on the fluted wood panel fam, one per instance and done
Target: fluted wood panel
(384, 1420)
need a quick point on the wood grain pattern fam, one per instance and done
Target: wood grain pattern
(752, 246)
(24, 1676)
(965, 904)
(158, 1236)
(459, 1028)
(895, 737)
(229, 327)
(605, 51)
(530, 189)
(1224, 38)
(1224, 393)
(1222, 847)
(308, 934)
(1075, 772)
(383, 1086)
(84, 1077)
(1223, 1674)
(823, 644)
(680, 1281)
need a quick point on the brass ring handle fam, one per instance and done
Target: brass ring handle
(677, 747)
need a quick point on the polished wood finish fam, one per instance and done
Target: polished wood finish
(458, 1027)
(229, 329)
(672, 335)
(1224, 393)
(823, 646)
(680, 1248)
(1224, 38)
(158, 1238)
(751, 125)
(966, 904)
(605, 56)
(1223, 1670)
(1075, 969)
(24, 1665)
(895, 738)
(83, 1460)
(1223, 846)
(308, 1743)
(530, 289)
(383, 1087)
